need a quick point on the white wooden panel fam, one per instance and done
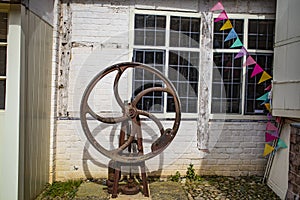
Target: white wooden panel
(37, 116)
(278, 179)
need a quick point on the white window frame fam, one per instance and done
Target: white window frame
(5, 9)
(167, 48)
(246, 18)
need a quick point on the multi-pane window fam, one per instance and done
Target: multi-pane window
(3, 52)
(174, 50)
(233, 89)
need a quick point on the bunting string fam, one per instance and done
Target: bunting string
(272, 131)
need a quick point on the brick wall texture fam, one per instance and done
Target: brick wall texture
(294, 164)
(100, 36)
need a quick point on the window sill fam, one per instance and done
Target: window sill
(237, 118)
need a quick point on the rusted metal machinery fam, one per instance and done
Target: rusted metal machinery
(131, 130)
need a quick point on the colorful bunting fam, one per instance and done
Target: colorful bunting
(263, 97)
(271, 127)
(268, 149)
(281, 144)
(237, 43)
(218, 6)
(268, 88)
(257, 69)
(241, 53)
(227, 25)
(268, 107)
(231, 35)
(221, 16)
(265, 76)
(269, 115)
(273, 132)
(250, 61)
(269, 137)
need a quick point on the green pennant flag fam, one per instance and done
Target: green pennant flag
(264, 97)
(237, 43)
(281, 144)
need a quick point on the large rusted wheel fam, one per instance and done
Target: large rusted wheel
(131, 112)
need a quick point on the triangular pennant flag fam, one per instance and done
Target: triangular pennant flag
(268, 88)
(265, 76)
(263, 97)
(268, 149)
(268, 107)
(241, 53)
(231, 35)
(227, 25)
(269, 115)
(250, 61)
(257, 69)
(218, 6)
(237, 43)
(281, 144)
(276, 134)
(269, 137)
(221, 16)
(271, 127)
(266, 101)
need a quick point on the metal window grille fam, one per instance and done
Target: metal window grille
(3, 54)
(152, 47)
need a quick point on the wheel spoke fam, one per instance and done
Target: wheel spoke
(108, 120)
(142, 93)
(116, 88)
(153, 118)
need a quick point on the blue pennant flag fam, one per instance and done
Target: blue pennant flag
(232, 34)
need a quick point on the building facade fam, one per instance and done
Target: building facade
(222, 126)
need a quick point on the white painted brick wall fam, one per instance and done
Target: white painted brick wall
(100, 38)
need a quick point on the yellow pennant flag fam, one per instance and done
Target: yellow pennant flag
(268, 149)
(226, 26)
(268, 106)
(265, 76)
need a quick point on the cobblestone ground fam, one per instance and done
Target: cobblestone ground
(207, 187)
(227, 188)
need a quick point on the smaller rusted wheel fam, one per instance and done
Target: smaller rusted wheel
(131, 112)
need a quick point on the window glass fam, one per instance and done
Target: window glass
(182, 71)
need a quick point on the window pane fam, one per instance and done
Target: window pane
(219, 36)
(2, 60)
(3, 27)
(183, 73)
(149, 30)
(2, 93)
(261, 34)
(254, 90)
(184, 32)
(227, 82)
(143, 79)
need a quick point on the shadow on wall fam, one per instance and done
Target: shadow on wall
(89, 159)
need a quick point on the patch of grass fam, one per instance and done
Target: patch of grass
(66, 190)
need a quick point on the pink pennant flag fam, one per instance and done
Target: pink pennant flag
(250, 61)
(218, 6)
(257, 69)
(241, 53)
(222, 15)
(271, 127)
(269, 137)
(268, 88)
